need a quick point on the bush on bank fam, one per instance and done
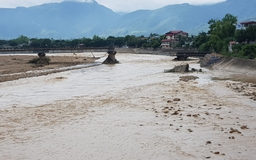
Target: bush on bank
(40, 61)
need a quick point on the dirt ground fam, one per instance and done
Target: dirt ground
(14, 67)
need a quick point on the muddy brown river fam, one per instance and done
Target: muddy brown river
(131, 110)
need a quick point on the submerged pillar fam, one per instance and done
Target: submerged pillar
(111, 59)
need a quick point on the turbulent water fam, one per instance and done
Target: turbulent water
(131, 110)
(89, 81)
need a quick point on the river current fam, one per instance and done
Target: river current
(90, 81)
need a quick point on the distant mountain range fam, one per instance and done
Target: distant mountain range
(82, 19)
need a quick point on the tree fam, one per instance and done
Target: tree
(22, 40)
(140, 42)
(35, 43)
(182, 41)
(228, 26)
(75, 42)
(221, 32)
(98, 41)
(131, 41)
(110, 41)
(2, 42)
(41, 43)
(217, 44)
(249, 51)
(250, 33)
(240, 36)
(155, 44)
(12, 43)
(119, 41)
(60, 43)
(87, 42)
(204, 47)
(200, 42)
(46, 43)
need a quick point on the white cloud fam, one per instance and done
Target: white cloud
(115, 5)
(89, 1)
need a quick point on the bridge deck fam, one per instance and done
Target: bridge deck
(57, 50)
(183, 54)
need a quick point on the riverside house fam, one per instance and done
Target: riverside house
(172, 38)
(248, 23)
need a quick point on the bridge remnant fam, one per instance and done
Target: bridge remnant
(183, 55)
(111, 59)
(41, 54)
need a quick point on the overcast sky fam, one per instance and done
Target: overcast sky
(115, 5)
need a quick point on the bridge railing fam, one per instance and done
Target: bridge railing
(57, 50)
(193, 53)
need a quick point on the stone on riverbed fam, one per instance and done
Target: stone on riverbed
(180, 68)
(188, 78)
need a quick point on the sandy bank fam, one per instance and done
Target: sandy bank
(13, 67)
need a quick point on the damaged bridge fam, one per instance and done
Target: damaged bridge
(41, 52)
(55, 50)
(182, 54)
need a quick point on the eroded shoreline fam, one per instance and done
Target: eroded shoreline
(14, 67)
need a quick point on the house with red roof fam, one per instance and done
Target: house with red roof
(248, 23)
(172, 38)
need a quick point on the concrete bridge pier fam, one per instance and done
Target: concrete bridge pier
(111, 59)
(182, 57)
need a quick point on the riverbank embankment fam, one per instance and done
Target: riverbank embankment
(230, 68)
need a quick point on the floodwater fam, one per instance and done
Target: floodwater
(125, 111)
(89, 81)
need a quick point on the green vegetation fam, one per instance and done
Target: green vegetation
(217, 39)
(131, 41)
(221, 32)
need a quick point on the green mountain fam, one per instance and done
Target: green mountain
(173, 17)
(189, 18)
(82, 19)
(56, 20)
